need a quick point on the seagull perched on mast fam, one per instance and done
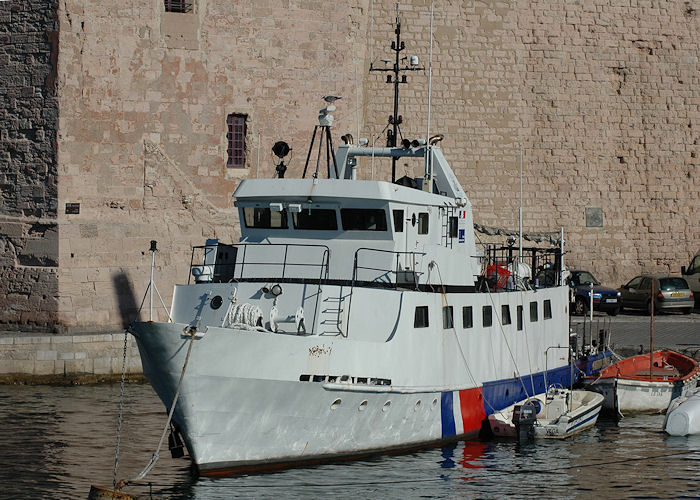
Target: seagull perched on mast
(331, 98)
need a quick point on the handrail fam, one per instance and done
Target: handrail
(355, 268)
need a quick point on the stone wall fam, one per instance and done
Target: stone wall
(28, 164)
(602, 96)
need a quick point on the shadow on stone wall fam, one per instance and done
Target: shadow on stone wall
(126, 299)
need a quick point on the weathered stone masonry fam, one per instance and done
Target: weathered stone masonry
(28, 164)
(602, 95)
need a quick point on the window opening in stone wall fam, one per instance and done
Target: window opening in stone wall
(447, 317)
(236, 125)
(180, 6)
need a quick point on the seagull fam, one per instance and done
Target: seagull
(331, 98)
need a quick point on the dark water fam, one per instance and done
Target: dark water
(56, 441)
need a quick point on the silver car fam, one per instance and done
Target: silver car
(672, 293)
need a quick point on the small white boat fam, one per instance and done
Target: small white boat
(560, 413)
(683, 415)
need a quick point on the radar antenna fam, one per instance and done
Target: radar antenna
(325, 120)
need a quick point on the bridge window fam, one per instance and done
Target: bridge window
(520, 318)
(487, 316)
(315, 218)
(264, 218)
(447, 317)
(363, 219)
(398, 221)
(505, 315)
(422, 223)
(467, 317)
(420, 320)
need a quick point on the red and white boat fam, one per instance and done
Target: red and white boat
(636, 385)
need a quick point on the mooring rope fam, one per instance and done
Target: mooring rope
(156, 455)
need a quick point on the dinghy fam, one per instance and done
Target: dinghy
(559, 413)
(683, 415)
(636, 385)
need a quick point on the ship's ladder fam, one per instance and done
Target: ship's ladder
(331, 314)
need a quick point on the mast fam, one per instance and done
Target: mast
(395, 120)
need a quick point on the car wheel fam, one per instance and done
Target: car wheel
(613, 312)
(580, 308)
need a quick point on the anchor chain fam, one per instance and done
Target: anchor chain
(121, 411)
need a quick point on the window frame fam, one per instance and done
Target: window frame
(381, 223)
(236, 131)
(250, 211)
(448, 320)
(521, 317)
(308, 212)
(179, 6)
(534, 312)
(425, 315)
(486, 316)
(397, 215)
(505, 315)
(547, 309)
(467, 314)
(423, 222)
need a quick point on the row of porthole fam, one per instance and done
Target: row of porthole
(363, 405)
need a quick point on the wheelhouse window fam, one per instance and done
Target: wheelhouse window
(363, 219)
(453, 227)
(398, 220)
(420, 319)
(447, 317)
(505, 315)
(316, 219)
(547, 309)
(264, 218)
(487, 316)
(180, 6)
(236, 125)
(467, 317)
(533, 312)
(520, 318)
(423, 223)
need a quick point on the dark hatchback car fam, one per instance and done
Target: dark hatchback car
(605, 299)
(672, 293)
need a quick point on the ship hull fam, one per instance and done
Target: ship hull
(234, 418)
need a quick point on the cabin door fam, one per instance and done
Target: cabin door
(417, 233)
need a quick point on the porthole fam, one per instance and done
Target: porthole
(335, 404)
(363, 406)
(435, 402)
(417, 406)
(386, 406)
(216, 302)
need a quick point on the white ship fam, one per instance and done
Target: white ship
(353, 317)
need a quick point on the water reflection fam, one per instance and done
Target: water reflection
(56, 441)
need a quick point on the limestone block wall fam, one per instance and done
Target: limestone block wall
(601, 95)
(144, 97)
(28, 164)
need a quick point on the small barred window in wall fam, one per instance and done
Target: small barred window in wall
(236, 140)
(181, 6)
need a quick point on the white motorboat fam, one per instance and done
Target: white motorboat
(683, 414)
(559, 413)
(352, 317)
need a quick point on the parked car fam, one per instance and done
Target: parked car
(672, 293)
(605, 299)
(692, 276)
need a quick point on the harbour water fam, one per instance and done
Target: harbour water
(56, 441)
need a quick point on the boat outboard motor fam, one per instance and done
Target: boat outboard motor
(524, 417)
